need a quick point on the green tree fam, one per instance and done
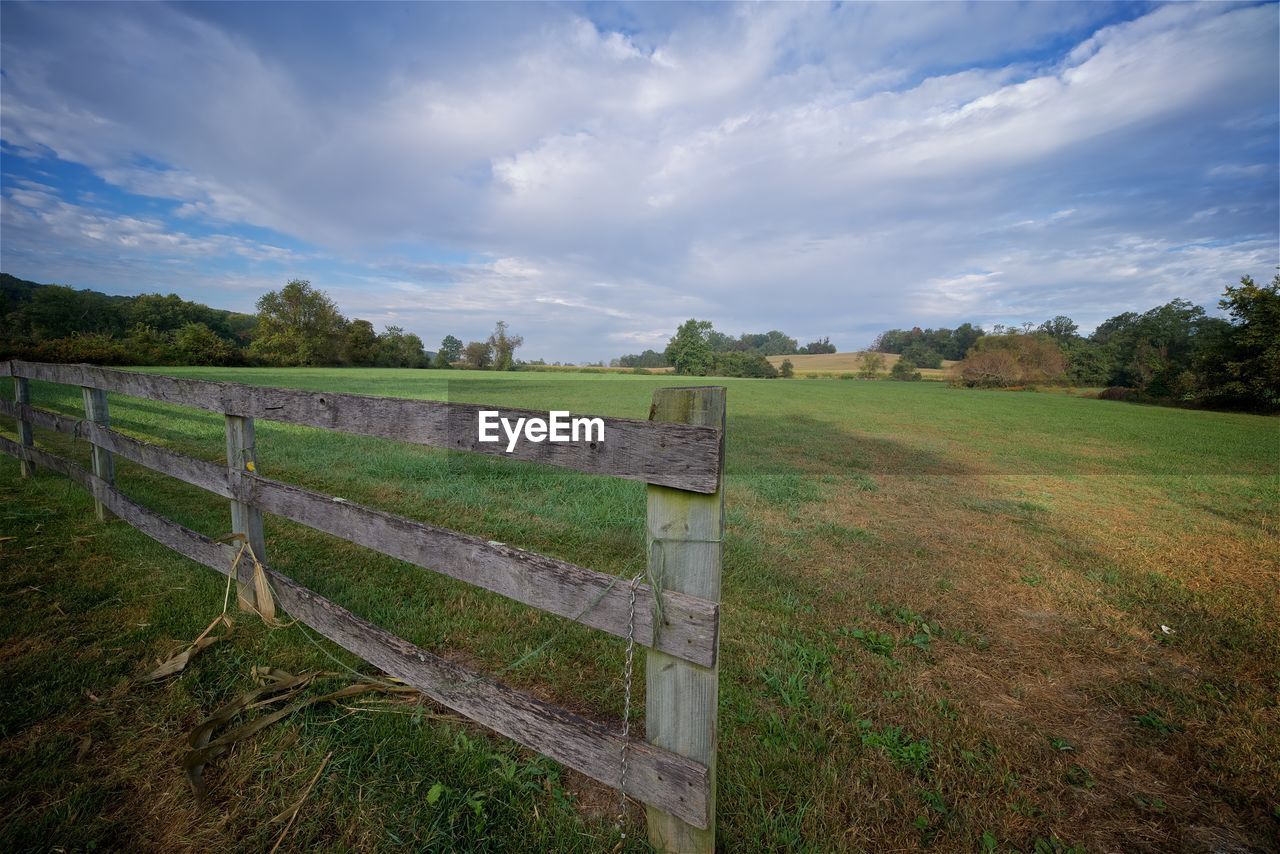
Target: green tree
(147, 345)
(504, 346)
(478, 355)
(822, 345)
(197, 344)
(1061, 329)
(298, 325)
(450, 352)
(360, 344)
(400, 349)
(870, 364)
(689, 351)
(787, 370)
(921, 354)
(1242, 368)
(742, 365)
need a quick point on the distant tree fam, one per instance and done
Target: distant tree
(787, 370)
(771, 343)
(1088, 363)
(400, 349)
(1240, 365)
(1061, 329)
(962, 338)
(450, 352)
(920, 354)
(822, 345)
(1014, 359)
(147, 345)
(478, 355)
(197, 344)
(504, 345)
(360, 346)
(647, 359)
(738, 364)
(298, 325)
(721, 343)
(870, 364)
(688, 351)
(990, 368)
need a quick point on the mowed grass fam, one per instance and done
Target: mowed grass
(943, 628)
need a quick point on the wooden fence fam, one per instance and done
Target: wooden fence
(678, 452)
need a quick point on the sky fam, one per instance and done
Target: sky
(596, 174)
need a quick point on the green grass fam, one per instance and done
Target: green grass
(927, 592)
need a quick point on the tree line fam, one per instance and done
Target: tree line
(1174, 352)
(699, 349)
(298, 325)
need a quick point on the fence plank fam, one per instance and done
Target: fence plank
(22, 397)
(655, 776)
(685, 533)
(684, 456)
(95, 411)
(592, 598)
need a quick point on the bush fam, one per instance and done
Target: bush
(742, 365)
(1000, 361)
(922, 356)
(787, 370)
(905, 370)
(1118, 392)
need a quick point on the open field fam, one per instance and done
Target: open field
(844, 363)
(942, 628)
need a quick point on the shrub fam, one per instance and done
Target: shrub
(904, 369)
(1000, 361)
(787, 370)
(742, 365)
(871, 363)
(94, 347)
(1118, 392)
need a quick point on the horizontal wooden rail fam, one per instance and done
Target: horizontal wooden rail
(682, 456)
(654, 775)
(592, 598)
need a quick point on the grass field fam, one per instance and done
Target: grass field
(943, 616)
(837, 364)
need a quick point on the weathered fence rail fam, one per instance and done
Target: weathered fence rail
(678, 452)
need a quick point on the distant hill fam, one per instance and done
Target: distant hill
(33, 312)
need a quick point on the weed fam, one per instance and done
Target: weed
(904, 752)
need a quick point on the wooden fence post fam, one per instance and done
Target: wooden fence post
(685, 532)
(104, 466)
(22, 394)
(245, 518)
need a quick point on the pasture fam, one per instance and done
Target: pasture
(957, 619)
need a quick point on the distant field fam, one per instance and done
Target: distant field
(955, 620)
(840, 363)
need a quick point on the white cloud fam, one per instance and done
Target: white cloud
(824, 170)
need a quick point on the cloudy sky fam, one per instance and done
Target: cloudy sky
(595, 174)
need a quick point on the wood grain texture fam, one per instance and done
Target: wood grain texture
(95, 412)
(246, 518)
(656, 776)
(592, 598)
(683, 456)
(22, 396)
(685, 533)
